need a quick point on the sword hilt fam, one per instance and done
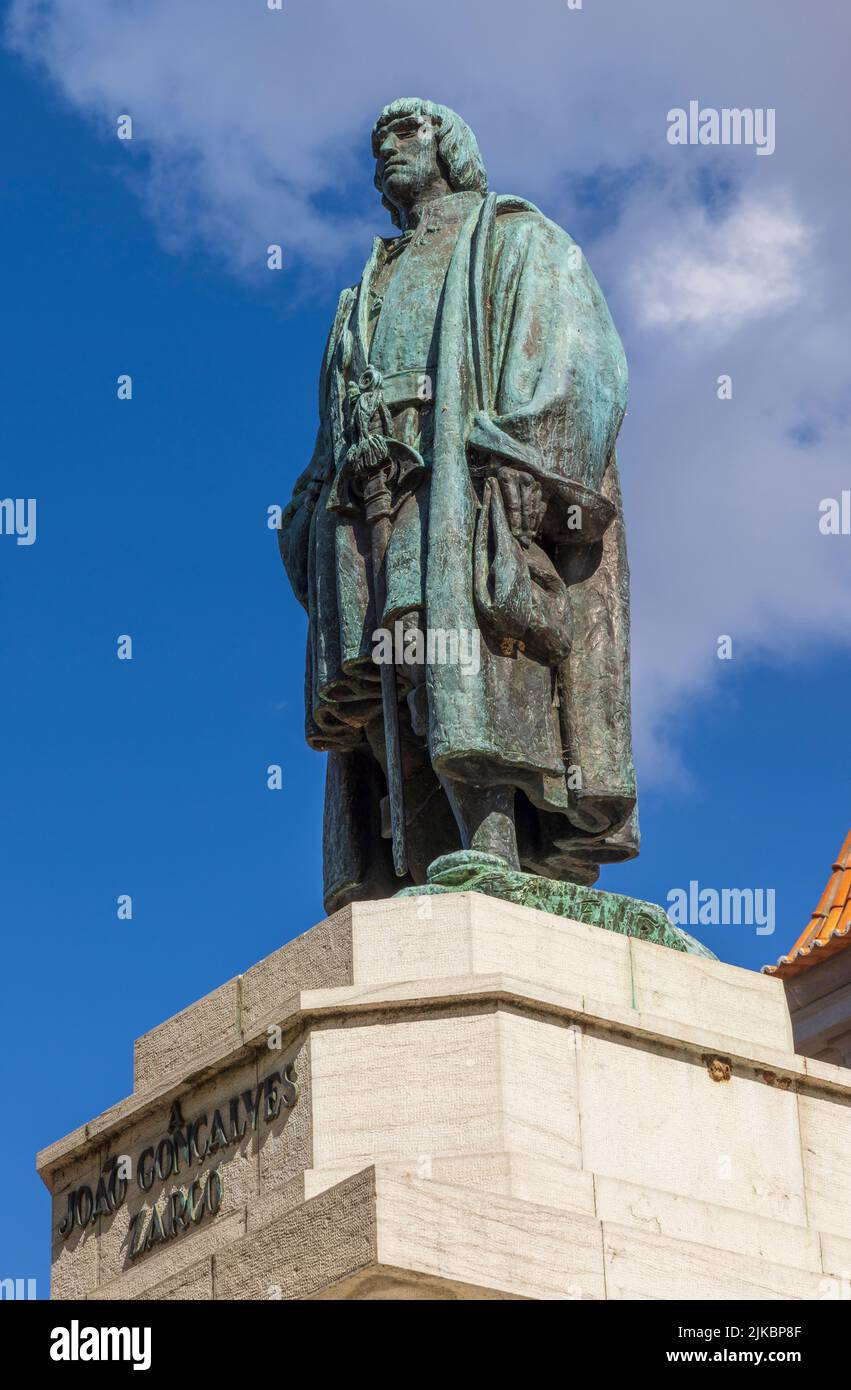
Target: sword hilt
(378, 494)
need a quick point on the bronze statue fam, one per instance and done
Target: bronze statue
(458, 542)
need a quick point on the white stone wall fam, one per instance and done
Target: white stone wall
(494, 1102)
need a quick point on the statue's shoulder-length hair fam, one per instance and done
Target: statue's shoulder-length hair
(457, 147)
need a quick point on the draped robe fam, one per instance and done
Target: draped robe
(528, 372)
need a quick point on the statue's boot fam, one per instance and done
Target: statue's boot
(485, 818)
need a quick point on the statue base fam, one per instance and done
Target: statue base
(453, 1096)
(471, 871)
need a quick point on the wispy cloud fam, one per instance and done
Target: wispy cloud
(721, 276)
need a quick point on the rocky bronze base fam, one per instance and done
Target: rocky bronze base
(471, 871)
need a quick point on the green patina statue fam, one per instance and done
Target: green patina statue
(458, 542)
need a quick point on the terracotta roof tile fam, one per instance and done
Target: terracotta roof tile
(829, 928)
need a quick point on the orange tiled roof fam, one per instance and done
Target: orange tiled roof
(829, 928)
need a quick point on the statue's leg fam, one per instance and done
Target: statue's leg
(485, 818)
(430, 825)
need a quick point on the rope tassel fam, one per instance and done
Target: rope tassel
(370, 423)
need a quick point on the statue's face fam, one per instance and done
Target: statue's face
(408, 167)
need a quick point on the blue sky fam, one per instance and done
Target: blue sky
(148, 777)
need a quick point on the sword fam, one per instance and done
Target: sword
(375, 463)
(378, 502)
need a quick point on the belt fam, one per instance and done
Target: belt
(412, 386)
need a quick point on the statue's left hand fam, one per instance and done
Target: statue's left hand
(524, 502)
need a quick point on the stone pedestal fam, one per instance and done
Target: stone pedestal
(455, 1097)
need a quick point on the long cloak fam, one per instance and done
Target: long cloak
(530, 370)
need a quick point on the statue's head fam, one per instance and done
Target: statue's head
(423, 150)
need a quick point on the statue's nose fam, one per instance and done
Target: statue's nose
(387, 146)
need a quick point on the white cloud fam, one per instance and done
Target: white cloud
(723, 275)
